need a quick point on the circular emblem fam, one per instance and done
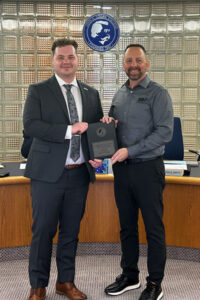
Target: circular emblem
(101, 131)
(101, 32)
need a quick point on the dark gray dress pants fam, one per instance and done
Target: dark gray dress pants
(61, 203)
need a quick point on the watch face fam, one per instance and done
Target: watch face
(101, 32)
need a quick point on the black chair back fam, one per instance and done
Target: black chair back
(174, 150)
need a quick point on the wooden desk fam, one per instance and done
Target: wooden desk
(100, 222)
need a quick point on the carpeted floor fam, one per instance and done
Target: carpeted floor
(94, 272)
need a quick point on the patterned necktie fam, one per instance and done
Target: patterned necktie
(75, 140)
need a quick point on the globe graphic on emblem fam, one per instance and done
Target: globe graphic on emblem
(101, 32)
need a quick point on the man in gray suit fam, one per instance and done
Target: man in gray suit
(56, 115)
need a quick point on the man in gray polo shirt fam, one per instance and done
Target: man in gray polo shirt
(143, 112)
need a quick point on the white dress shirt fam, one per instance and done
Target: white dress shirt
(78, 100)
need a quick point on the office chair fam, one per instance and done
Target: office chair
(174, 150)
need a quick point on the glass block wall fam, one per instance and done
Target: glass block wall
(169, 31)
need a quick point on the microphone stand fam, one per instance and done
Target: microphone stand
(197, 153)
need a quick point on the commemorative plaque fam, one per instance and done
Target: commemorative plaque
(102, 140)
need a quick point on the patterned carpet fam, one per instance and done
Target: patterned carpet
(94, 272)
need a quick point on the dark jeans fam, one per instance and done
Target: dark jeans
(140, 186)
(60, 203)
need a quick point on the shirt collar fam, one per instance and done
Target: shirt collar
(144, 83)
(61, 82)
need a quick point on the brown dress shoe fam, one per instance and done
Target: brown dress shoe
(37, 294)
(70, 290)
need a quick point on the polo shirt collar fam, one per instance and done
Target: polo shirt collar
(144, 83)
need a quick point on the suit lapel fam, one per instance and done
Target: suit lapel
(85, 103)
(58, 95)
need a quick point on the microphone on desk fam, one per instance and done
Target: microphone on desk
(196, 152)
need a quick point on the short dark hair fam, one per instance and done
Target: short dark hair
(136, 45)
(62, 43)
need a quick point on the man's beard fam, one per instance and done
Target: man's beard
(134, 77)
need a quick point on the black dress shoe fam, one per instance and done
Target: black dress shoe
(122, 284)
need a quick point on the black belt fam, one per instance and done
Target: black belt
(139, 160)
(74, 166)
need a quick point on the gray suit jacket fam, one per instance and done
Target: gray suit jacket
(46, 119)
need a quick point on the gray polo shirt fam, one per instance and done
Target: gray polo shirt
(145, 118)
